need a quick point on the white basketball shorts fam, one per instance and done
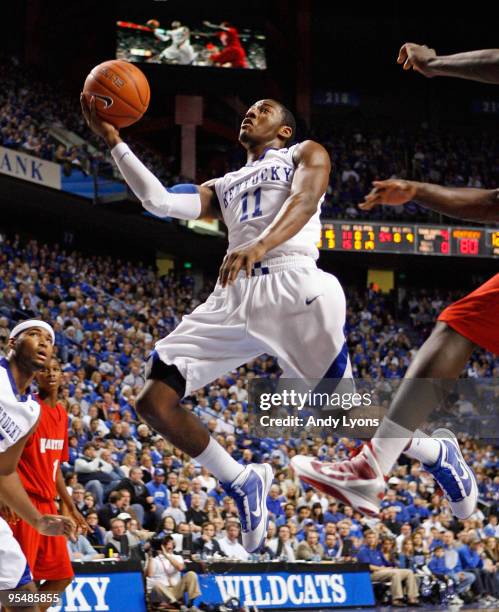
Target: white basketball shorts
(288, 308)
(14, 570)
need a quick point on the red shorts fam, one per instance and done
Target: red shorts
(476, 316)
(47, 556)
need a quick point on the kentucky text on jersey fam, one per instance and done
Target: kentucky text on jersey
(263, 175)
(48, 444)
(8, 427)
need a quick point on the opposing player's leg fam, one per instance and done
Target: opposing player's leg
(443, 356)
(48, 556)
(360, 481)
(207, 344)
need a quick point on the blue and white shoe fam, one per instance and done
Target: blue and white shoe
(250, 490)
(453, 474)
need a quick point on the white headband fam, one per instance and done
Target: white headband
(32, 323)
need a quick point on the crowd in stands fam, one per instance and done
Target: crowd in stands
(139, 494)
(432, 156)
(28, 108)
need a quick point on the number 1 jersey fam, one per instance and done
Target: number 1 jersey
(44, 452)
(253, 196)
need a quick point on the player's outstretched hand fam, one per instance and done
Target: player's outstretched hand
(242, 259)
(101, 128)
(55, 525)
(417, 57)
(393, 192)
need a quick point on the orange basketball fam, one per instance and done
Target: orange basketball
(121, 92)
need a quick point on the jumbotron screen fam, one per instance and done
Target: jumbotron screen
(210, 44)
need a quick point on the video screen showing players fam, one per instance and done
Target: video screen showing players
(211, 44)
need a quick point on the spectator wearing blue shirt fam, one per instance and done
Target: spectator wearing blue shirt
(463, 579)
(392, 501)
(470, 556)
(332, 515)
(331, 546)
(80, 549)
(158, 490)
(491, 529)
(439, 567)
(289, 515)
(381, 571)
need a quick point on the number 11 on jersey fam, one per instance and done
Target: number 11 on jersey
(257, 211)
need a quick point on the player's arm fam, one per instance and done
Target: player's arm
(215, 26)
(480, 65)
(310, 181)
(460, 202)
(14, 495)
(179, 201)
(162, 35)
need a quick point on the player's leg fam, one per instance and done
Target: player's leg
(442, 357)
(463, 325)
(207, 344)
(360, 481)
(52, 563)
(469, 322)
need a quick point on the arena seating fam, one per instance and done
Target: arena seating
(107, 314)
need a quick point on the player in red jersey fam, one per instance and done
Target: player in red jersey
(466, 324)
(233, 52)
(40, 472)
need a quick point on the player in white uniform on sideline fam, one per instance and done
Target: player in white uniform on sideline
(180, 51)
(30, 346)
(270, 297)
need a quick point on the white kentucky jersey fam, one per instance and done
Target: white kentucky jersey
(253, 196)
(18, 413)
(179, 35)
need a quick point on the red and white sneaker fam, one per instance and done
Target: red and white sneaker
(357, 482)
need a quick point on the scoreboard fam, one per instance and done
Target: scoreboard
(412, 239)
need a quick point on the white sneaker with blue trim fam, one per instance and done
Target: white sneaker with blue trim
(250, 490)
(454, 475)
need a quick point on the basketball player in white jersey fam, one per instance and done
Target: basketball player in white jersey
(270, 297)
(180, 51)
(30, 346)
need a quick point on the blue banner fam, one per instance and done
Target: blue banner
(105, 592)
(287, 590)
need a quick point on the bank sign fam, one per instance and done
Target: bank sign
(287, 590)
(104, 593)
(19, 164)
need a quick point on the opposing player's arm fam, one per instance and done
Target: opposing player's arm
(480, 65)
(460, 202)
(215, 26)
(180, 201)
(310, 181)
(14, 495)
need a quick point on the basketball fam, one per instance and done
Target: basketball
(121, 92)
(153, 24)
